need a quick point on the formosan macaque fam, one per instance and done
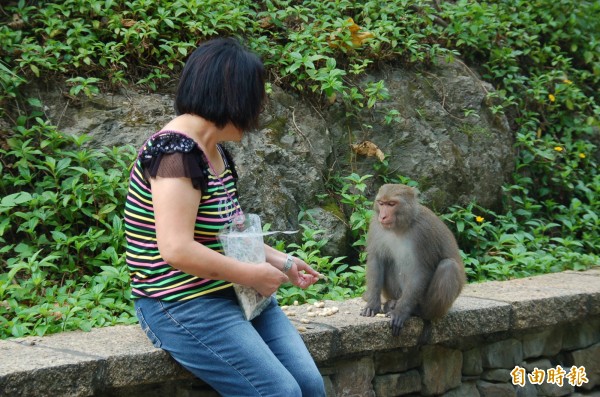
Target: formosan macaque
(413, 263)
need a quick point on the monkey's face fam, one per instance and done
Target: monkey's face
(386, 212)
(395, 206)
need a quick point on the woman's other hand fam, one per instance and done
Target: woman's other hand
(268, 279)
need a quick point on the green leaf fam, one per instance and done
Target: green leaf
(12, 200)
(35, 70)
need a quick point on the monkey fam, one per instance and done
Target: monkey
(413, 261)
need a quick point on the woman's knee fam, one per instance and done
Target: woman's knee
(303, 383)
(290, 389)
(311, 383)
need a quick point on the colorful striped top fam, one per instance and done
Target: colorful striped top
(150, 275)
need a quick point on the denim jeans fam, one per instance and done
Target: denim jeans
(210, 337)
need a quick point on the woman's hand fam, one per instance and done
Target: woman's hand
(268, 279)
(302, 275)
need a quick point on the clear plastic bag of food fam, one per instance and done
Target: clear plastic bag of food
(243, 240)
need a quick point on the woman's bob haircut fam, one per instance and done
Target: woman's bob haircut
(222, 82)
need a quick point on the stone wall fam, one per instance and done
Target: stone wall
(490, 365)
(508, 338)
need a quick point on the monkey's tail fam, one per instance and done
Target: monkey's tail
(444, 288)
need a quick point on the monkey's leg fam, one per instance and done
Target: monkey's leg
(389, 305)
(444, 288)
(375, 280)
(412, 291)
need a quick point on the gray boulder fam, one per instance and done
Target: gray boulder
(445, 136)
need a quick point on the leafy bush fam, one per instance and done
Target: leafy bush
(61, 233)
(345, 277)
(544, 56)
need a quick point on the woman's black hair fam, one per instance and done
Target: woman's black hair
(222, 82)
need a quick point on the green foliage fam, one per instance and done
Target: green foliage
(80, 85)
(308, 46)
(351, 195)
(344, 277)
(520, 244)
(545, 58)
(9, 83)
(62, 257)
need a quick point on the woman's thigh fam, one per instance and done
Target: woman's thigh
(211, 338)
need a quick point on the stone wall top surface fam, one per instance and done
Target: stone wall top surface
(77, 363)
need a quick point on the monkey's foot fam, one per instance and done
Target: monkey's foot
(397, 322)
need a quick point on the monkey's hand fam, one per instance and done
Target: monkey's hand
(370, 310)
(398, 320)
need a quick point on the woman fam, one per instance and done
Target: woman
(182, 192)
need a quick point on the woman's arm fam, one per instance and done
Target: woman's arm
(175, 204)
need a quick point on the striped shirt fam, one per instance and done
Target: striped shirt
(150, 275)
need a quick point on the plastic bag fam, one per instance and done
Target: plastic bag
(244, 242)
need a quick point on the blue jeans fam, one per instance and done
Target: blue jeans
(210, 337)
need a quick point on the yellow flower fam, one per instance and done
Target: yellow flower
(551, 97)
(581, 155)
(558, 148)
(479, 219)
(567, 81)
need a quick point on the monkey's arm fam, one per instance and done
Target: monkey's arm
(375, 280)
(412, 292)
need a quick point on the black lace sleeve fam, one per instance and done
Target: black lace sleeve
(173, 155)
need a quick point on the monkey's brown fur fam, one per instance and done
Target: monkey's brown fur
(413, 262)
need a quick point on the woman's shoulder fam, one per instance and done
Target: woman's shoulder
(167, 142)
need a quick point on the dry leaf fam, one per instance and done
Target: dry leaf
(331, 98)
(127, 23)
(357, 37)
(368, 148)
(265, 22)
(17, 22)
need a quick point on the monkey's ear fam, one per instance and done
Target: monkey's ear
(416, 192)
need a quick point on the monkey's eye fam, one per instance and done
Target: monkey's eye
(387, 203)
